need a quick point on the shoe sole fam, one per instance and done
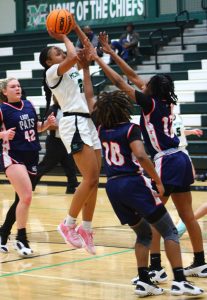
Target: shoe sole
(3, 251)
(23, 255)
(142, 295)
(184, 293)
(196, 275)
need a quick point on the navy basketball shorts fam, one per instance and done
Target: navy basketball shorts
(28, 158)
(132, 198)
(175, 171)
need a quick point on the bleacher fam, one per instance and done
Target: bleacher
(19, 55)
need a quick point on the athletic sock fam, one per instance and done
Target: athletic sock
(199, 258)
(155, 261)
(69, 220)
(179, 274)
(86, 225)
(143, 273)
(22, 237)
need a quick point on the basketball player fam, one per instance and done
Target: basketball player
(78, 134)
(156, 125)
(130, 192)
(20, 148)
(182, 132)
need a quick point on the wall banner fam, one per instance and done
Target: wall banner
(86, 12)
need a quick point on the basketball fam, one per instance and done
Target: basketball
(60, 21)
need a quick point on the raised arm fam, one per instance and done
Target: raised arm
(126, 69)
(116, 79)
(71, 55)
(88, 87)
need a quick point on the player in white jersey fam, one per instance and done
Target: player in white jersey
(182, 132)
(77, 132)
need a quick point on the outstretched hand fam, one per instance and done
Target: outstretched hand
(198, 132)
(57, 36)
(82, 62)
(89, 51)
(104, 40)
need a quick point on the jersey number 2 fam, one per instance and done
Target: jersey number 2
(30, 135)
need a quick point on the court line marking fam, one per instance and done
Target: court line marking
(80, 280)
(64, 263)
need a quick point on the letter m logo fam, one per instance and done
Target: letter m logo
(36, 15)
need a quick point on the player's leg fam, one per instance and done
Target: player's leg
(19, 178)
(144, 285)
(183, 203)
(166, 228)
(156, 268)
(68, 164)
(86, 162)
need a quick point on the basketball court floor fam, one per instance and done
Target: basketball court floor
(58, 271)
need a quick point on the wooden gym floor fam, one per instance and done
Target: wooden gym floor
(58, 271)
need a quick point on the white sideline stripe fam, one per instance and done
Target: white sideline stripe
(6, 51)
(115, 284)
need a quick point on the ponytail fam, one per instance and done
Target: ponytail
(48, 94)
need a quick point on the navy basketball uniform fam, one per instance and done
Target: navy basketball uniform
(173, 166)
(129, 192)
(25, 146)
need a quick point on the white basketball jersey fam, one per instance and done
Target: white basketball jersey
(69, 92)
(179, 129)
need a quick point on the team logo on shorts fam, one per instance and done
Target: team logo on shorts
(34, 169)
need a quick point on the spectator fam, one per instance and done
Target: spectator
(60, 155)
(128, 44)
(93, 38)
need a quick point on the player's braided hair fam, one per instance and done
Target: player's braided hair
(48, 94)
(162, 87)
(3, 85)
(113, 108)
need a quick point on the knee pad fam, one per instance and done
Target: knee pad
(166, 228)
(143, 232)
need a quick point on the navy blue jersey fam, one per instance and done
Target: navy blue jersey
(118, 157)
(24, 118)
(156, 124)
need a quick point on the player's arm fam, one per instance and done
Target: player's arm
(195, 131)
(88, 87)
(137, 148)
(126, 69)
(145, 102)
(71, 57)
(117, 80)
(8, 134)
(49, 122)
